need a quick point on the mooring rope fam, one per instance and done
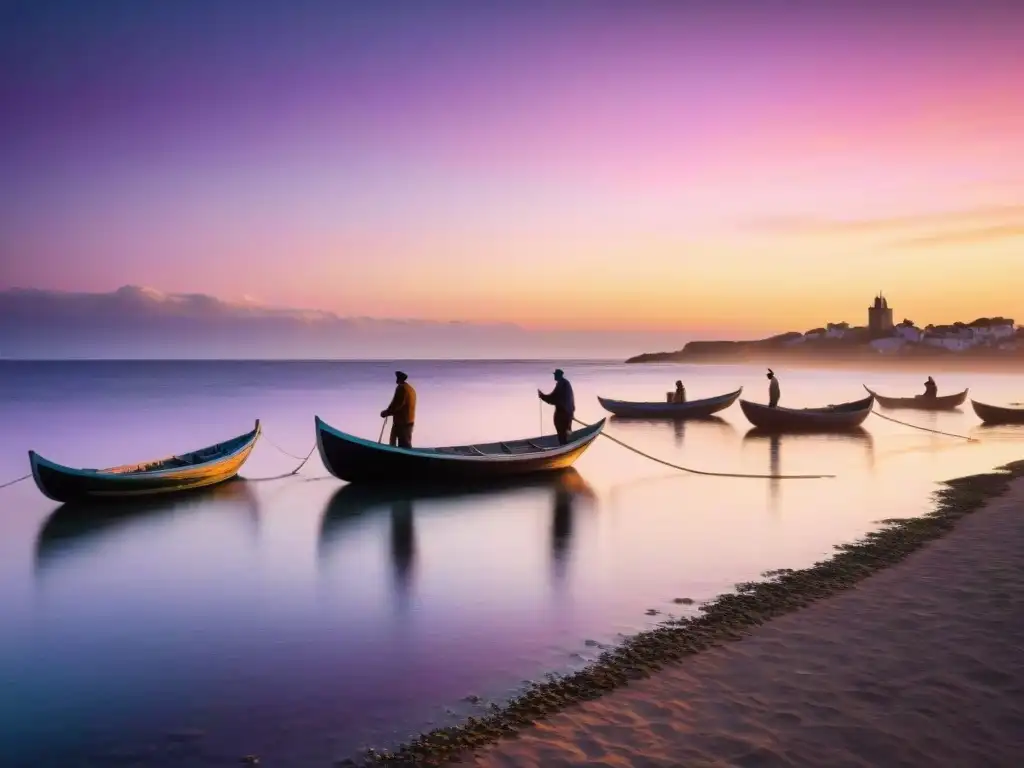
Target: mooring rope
(302, 462)
(926, 429)
(705, 472)
(13, 482)
(282, 450)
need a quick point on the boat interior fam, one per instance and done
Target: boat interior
(510, 447)
(858, 405)
(194, 458)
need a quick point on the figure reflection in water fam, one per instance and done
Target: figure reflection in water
(561, 531)
(679, 430)
(403, 549)
(774, 468)
(350, 504)
(809, 444)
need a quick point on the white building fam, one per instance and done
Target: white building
(994, 331)
(909, 333)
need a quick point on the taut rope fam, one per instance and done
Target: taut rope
(926, 429)
(13, 482)
(705, 472)
(286, 453)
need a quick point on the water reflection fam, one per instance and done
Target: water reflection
(352, 503)
(76, 527)
(679, 426)
(999, 432)
(806, 443)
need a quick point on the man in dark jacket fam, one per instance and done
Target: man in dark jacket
(402, 411)
(565, 405)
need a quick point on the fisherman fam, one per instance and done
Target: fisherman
(773, 390)
(679, 396)
(565, 405)
(402, 411)
(931, 389)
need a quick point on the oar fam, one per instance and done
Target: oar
(379, 439)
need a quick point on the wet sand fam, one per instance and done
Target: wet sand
(919, 664)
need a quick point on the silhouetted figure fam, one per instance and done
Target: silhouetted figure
(565, 405)
(773, 390)
(931, 389)
(402, 411)
(679, 396)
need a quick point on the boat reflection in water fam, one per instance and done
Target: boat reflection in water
(352, 503)
(997, 432)
(679, 427)
(805, 443)
(81, 526)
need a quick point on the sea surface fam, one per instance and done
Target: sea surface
(289, 620)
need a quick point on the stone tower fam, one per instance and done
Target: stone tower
(880, 317)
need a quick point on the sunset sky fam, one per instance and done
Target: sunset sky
(736, 166)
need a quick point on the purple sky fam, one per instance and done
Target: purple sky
(571, 164)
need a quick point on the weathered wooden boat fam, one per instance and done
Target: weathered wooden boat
(694, 409)
(922, 403)
(998, 414)
(356, 460)
(198, 469)
(844, 416)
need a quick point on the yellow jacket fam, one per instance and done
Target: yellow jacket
(403, 405)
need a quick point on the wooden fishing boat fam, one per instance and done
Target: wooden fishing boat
(198, 469)
(921, 403)
(694, 409)
(354, 459)
(998, 414)
(844, 416)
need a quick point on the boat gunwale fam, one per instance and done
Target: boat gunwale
(106, 474)
(865, 404)
(1016, 412)
(591, 432)
(957, 398)
(681, 406)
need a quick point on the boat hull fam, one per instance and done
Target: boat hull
(70, 485)
(356, 460)
(995, 414)
(696, 409)
(944, 403)
(846, 416)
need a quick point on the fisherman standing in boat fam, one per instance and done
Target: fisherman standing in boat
(773, 390)
(402, 411)
(931, 389)
(565, 405)
(679, 396)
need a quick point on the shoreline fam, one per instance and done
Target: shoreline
(727, 618)
(944, 363)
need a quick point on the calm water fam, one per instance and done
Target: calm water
(297, 621)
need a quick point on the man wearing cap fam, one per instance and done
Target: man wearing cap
(565, 405)
(402, 411)
(773, 390)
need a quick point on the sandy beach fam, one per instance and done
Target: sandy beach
(920, 664)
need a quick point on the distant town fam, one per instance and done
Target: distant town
(986, 338)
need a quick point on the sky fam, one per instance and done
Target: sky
(724, 168)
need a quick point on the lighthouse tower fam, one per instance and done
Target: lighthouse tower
(880, 317)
